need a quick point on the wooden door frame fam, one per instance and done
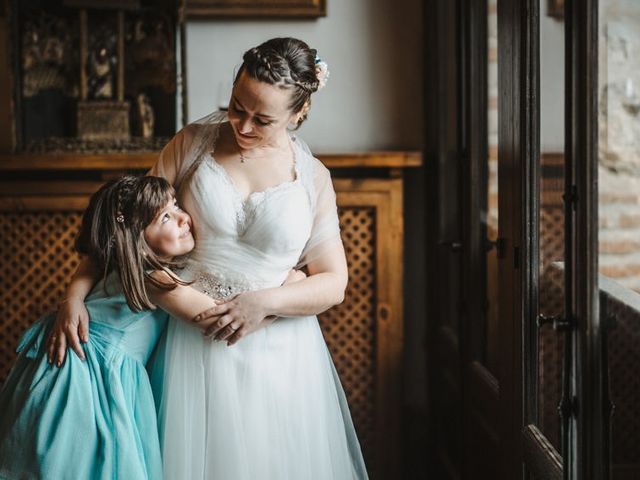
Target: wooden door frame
(480, 386)
(518, 154)
(591, 460)
(443, 226)
(445, 159)
(537, 455)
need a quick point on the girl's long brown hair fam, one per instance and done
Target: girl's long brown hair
(112, 235)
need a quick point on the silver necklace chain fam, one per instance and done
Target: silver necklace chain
(243, 158)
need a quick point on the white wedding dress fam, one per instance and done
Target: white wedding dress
(271, 406)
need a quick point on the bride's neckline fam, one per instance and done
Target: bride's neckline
(256, 193)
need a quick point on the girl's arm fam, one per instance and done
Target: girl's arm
(185, 302)
(320, 291)
(72, 320)
(182, 302)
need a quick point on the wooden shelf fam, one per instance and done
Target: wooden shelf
(144, 161)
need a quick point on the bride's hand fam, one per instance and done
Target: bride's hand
(222, 324)
(235, 318)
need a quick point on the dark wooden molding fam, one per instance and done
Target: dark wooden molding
(592, 444)
(443, 164)
(544, 461)
(256, 9)
(144, 161)
(7, 106)
(518, 68)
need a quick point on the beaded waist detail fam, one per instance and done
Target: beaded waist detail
(221, 286)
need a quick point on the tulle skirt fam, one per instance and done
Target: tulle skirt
(85, 420)
(269, 407)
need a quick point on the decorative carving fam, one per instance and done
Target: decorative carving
(102, 62)
(103, 113)
(74, 52)
(103, 120)
(47, 60)
(104, 4)
(97, 146)
(150, 58)
(145, 114)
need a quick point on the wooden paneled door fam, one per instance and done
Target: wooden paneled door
(517, 368)
(467, 370)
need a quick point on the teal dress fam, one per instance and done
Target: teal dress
(93, 419)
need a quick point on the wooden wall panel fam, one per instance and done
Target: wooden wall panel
(38, 223)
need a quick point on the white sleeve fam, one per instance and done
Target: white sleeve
(175, 157)
(325, 232)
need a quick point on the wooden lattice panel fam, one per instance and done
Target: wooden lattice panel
(37, 263)
(624, 358)
(350, 328)
(38, 260)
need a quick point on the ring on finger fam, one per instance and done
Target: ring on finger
(210, 333)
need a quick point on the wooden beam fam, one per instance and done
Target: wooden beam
(145, 160)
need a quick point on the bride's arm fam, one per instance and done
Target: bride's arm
(321, 290)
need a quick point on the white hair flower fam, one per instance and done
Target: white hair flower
(322, 72)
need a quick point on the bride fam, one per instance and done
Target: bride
(244, 402)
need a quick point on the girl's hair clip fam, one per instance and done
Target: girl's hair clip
(120, 218)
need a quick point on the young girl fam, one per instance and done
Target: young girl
(95, 417)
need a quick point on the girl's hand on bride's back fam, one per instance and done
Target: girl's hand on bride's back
(71, 326)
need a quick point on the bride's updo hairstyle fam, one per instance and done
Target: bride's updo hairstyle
(287, 63)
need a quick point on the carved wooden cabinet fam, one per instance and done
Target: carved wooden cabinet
(39, 218)
(90, 75)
